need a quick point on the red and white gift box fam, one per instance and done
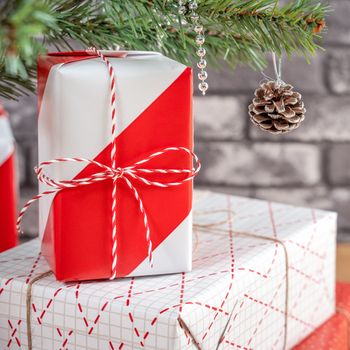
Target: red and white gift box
(153, 112)
(8, 209)
(263, 278)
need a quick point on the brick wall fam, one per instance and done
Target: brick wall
(310, 166)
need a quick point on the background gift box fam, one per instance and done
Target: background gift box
(8, 185)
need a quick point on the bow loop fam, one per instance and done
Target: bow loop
(62, 184)
(140, 174)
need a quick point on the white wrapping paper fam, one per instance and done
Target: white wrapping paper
(235, 297)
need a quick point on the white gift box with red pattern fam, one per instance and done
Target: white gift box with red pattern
(153, 112)
(263, 278)
(8, 233)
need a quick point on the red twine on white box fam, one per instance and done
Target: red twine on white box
(129, 174)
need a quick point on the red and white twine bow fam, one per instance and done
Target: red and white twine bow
(129, 174)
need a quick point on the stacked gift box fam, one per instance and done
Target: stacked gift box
(237, 294)
(113, 267)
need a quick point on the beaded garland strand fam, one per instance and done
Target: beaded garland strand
(192, 6)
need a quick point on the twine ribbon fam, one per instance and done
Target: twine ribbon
(214, 229)
(130, 174)
(29, 304)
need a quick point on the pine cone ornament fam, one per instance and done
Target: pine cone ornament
(276, 108)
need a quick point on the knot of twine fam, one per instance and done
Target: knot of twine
(130, 174)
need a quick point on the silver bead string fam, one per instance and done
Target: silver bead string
(200, 40)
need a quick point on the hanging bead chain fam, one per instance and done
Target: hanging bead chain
(200, 40)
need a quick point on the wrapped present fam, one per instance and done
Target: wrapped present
(8, 233)
(334, 333)
(121, 203)
(262, 278)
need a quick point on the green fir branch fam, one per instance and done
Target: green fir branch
(239, 32)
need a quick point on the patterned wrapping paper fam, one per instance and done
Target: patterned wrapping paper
(334, 333)
(235, 297)
(8, 233)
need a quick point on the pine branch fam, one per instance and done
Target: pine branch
(12, 87)
(240, 31)
(265, 27)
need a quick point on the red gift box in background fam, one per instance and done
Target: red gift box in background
(153, 112)
(333, 334)
(8, 233)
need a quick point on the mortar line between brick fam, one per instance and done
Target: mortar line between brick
(263, 140)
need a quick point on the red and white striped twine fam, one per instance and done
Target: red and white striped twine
(129, 174)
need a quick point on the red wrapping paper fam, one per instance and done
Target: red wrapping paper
(8, 233)
(333, 334)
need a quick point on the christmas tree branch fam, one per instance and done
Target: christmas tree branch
(239, 31)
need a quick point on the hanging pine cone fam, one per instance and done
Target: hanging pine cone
(276, 108)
